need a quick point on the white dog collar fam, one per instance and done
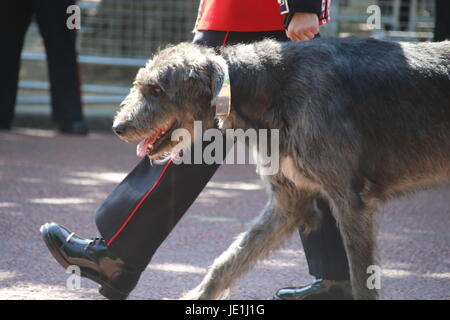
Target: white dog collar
(223, 100)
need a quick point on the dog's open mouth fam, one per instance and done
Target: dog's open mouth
(155, 140)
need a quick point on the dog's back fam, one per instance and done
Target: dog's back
(387, 105)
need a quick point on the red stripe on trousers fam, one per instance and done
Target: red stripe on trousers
(139, 204)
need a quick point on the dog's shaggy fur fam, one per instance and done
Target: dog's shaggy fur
(361, 121)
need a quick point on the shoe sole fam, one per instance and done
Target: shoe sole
(105, 290)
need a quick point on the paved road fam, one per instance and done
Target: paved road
(46, 177)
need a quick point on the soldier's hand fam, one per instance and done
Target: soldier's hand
(303, 26)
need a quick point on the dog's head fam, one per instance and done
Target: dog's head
(174, 89)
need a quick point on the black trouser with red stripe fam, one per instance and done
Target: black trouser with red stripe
(141, 212)
(59, 41)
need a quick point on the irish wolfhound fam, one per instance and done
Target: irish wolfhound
(360, 120)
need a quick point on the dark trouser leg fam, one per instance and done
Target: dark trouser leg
(324, 249)
(404, 14)
(442, 28)
(60, 46)
(141, 212)
(14, 21)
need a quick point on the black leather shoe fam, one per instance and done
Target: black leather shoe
(316, 291)
(95, 259)
(73, 127)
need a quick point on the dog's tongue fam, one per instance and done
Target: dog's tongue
(141, 148)
(144, 145)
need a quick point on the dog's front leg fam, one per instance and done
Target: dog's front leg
(265, 234)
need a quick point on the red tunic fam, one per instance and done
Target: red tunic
(239, 15)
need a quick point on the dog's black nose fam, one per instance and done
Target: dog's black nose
(119, 129)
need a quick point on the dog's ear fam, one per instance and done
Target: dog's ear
(207, 77)
(198, 79)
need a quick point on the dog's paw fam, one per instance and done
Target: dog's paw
(198, 294)
(194, 294)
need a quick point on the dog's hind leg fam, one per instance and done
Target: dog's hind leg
(357, 227)
(265, 234)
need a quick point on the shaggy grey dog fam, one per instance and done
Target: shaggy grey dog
(360, 120)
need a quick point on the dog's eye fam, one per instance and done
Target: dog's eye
(151, 92)
(155, 91)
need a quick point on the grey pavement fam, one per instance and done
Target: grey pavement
(47, 177)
